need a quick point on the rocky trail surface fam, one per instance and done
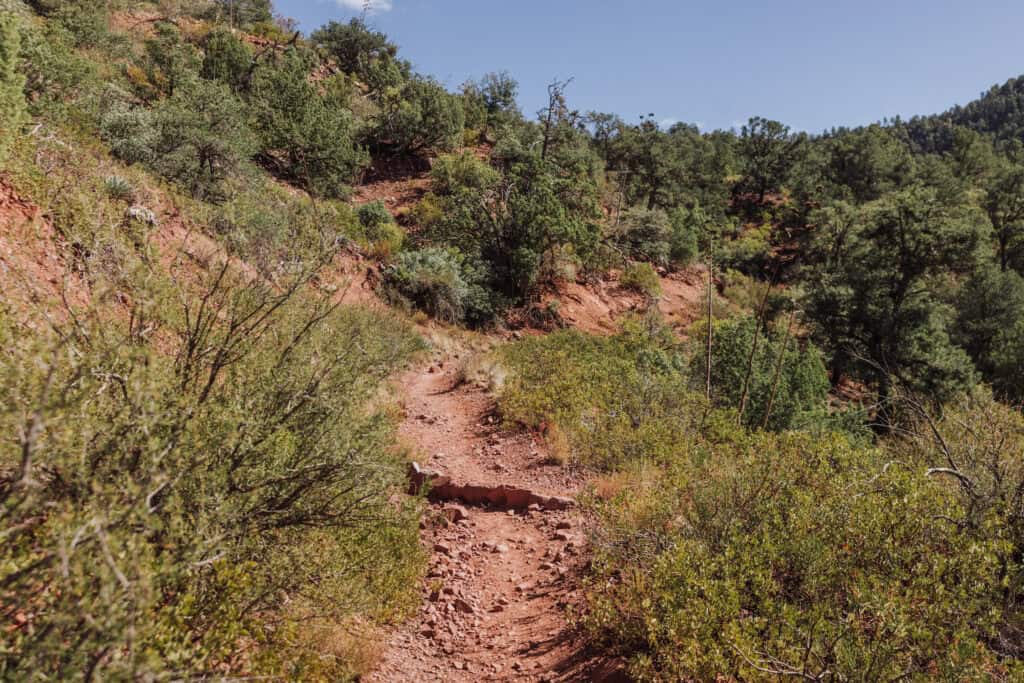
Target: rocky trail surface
(503, 576)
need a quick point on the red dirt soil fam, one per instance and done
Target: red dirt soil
(34, 272)
(597, 308)
(501, 582)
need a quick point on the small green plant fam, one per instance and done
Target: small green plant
(430, 279)
(642, 278)
(119, 188)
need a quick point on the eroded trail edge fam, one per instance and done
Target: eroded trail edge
(507, 548)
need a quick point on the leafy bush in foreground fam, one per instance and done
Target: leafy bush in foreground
(215, 508)
(758, 557)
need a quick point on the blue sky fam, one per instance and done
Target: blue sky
(809, 64)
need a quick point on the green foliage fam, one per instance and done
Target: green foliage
(769, 151)
(119, 188)
(243, 13)
(990, 328)
(509, 224)
(160, 504)
(362, 52)
(227, 59)
(430, 279)
(197, 137)
(55, 74)
(687, 228)
(201, 138)
(168, 64)
(421, 115)
(306, 136)
(642, 278)
(1004, 203)
(785, 386)
(644, 234)
(491, 101)
(867, 163)
(760, 557)
(452, 173)
(380, 229)
(615, 400)
(875, 304)
(12, 98)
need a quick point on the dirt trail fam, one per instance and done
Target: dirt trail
(500, 581)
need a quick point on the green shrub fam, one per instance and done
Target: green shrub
(687, 227)
(777, 395)
(430, 279)
(130, 131)
(766, 556)
(454, 172)
(161, 501)
(12, 82)
(644, 235)
(55, 74)
(382, 234)
(421, 115)
(227, 59)
(373, 214)
(119, 188)
(748, 251)
(615, 400)
(305, 135)
(642, 278)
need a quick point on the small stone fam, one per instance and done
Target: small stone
(564, 524)
(561, 536)
(464, 606)
(442, 548)
(524, 587)
(455, 513)
(500, 548)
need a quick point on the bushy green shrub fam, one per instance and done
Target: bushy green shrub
(644, 234)
(197, 137)
(429, 279)
(687, 228)
(783, 385)
(203, 138)
(227, 59)
(12, 82)
(452, 173)
(168, 64)
(616, 400)
(747, 250)
(373, 214)
(55, 73)
(642, 278)
(119, 188)
(421, 115)
(162, 501)
(130, 131)
(382, 234)
(306, 135)
(761, 557)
